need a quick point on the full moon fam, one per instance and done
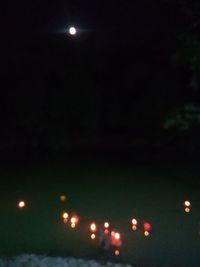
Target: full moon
(72, 31)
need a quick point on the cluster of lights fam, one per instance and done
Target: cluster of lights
(65, 216)
(187, 206)
(93, 229)
(116, 242)
(134, 224)
(106, 227)
(114, 236)
(147, 228)
(73, 220)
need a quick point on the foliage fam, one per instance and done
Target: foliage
(183, 118)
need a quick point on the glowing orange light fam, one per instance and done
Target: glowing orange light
(106, 225)
(73, 225)
(93, 227)
(21, 204)
(93, 236)
(134, 227)
(187, 210)
(117, 236)
(187, 203)
(74, 219)
(134, 221)
(117, 252)
(146, 233)
(62, 198)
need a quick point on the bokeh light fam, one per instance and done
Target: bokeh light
(147, 226)
(106, 225)
(134, 221)
(117, 235)
(187, 210)
(93, 236)
(134, 227)
(117, 252)
(62, 198)
(187, 203)
(21, 204)
(73, 225)
(65, 215)
(146, 233)
(93, 227)
(74, 219)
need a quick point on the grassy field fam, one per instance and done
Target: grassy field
(101, 192)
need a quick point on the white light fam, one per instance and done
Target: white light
(187, 203)
(117, 236)
(134, 221)
(21, 204)
(146, 233)
(72, 30)
(106, 225)
(65, 215)
(93, 227)
(93, 236)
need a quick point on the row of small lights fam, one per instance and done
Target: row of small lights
(187, 208)
(115, 236)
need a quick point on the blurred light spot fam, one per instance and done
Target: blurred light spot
(147, 226)
(134, 227)
(72, 31)
(117, 236)
(62, 198)
(146, 233)
(117, 252)
(93, 236)
(113, 233)
(134, 221)
(21, 204)
(65, 215)
(74, 219)
(93, 227)
(187, 203)
(187, 210)
(73, 225)
(106, 225)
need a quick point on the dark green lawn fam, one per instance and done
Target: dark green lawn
(99, 192)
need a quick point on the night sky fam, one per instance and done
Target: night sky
(122, 76)
(112, 23)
